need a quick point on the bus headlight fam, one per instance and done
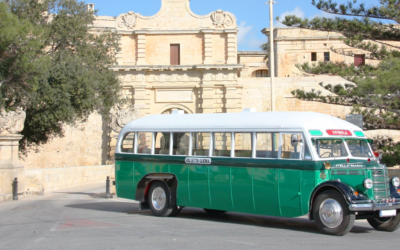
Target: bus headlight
(395, 182)
(368, 183)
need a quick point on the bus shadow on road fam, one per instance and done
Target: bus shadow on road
(296, 224)
(117, 207)
(91, 195)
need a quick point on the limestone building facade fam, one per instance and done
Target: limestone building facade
(177, 59)
(297, 46)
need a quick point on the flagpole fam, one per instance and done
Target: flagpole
(272, 54)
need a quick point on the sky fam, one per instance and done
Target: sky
(251, 15)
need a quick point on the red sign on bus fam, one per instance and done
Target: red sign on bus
(339, 132)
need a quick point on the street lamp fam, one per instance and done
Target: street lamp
(271, 53)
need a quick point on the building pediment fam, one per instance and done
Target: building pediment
(175, 14)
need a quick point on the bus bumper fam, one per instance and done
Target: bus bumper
(374, 206)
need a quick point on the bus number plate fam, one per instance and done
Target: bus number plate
(387, 213)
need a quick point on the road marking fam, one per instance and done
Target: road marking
(54, 227)
(172, 232)
(244, 243)
(39, 240)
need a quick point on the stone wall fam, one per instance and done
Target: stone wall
(82, 145)
(68, 161)
(257, 94)
(158, 47)
(394, 134)
(38, 181)
(295, 46)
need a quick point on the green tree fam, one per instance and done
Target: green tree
(53, 66)
(376, 90)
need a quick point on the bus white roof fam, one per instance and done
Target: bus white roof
(240, 122)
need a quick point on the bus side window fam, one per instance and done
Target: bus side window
(222, 144)
(243, 144)
(267, 145)
(162, 144)
(289, 151)
(181, 144)
(128, 143)
(144, 142)
(201, 144)
(307, 154)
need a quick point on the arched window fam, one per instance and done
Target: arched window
(262, 73)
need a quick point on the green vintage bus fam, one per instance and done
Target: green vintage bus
(284, 164)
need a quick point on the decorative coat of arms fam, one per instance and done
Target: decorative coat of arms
(128, 20)
(120, 117)
(12, 122)
(220, 19)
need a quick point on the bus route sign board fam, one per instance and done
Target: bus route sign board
(202, 161)
(339, 132)
(356, 120)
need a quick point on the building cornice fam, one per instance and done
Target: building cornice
(176, 67)
(166, 32)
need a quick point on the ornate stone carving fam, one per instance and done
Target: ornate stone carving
(12, 122)
(120, 117)
(220, 19)
(128, 20)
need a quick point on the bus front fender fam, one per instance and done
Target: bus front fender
(343, 188)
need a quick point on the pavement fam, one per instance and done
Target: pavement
(81, 218)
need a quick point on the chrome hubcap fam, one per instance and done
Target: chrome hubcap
(331, 213)
(158, 198)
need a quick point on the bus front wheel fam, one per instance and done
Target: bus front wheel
(331, 213)
(389, 224)
(160, 201)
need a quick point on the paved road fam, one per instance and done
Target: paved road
(83, 219)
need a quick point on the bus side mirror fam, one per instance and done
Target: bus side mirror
(295, 140)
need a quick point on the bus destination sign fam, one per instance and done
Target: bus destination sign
(202, 161)
(339, 132)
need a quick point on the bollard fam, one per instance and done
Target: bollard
(108, 194)
(15, 188)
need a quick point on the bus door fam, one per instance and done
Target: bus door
(290, 174)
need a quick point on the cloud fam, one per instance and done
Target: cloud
(247, 37)
(296, 12)
(322, 14)
(243, 31)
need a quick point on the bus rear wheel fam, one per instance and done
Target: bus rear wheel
(331, 213)
(389, 224)
(160, 200)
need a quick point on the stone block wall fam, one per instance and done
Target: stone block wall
(76, 159)
(257, 94)
(128, 46)
(158, 49)
(38, 181)
(82, 145)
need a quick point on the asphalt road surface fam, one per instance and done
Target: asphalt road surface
(82, 219)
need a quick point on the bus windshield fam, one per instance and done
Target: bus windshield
(359, 148)
(328, 148)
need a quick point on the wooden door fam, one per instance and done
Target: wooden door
(175, 54)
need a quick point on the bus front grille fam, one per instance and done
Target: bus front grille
(381, 187)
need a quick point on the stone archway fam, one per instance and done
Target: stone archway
(169, 108)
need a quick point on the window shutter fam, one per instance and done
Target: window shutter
(359, 60)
